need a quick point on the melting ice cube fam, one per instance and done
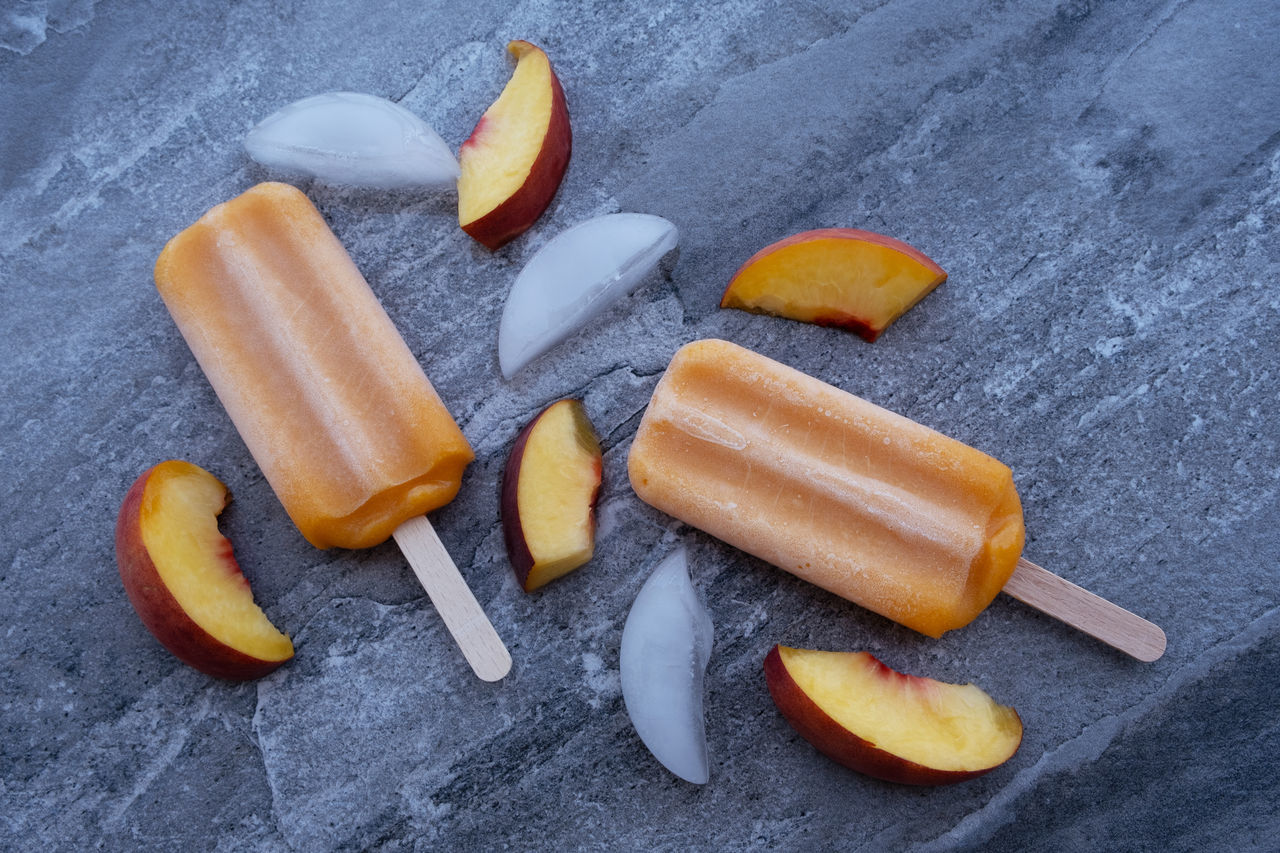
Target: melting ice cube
(352, 139)
(574, 277)
(666, 644)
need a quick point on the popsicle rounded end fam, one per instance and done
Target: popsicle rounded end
(492, 668)
(1151, 647)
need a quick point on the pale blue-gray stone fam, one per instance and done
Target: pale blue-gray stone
(1102, 183)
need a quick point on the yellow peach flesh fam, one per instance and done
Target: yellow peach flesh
(179, 527)
(559, 476)
(937, 725)
(838, 281)
(497, 159)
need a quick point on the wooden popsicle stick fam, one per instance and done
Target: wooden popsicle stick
(1081, 609)
(453, 599)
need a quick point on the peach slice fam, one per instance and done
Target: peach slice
(514, 159)
(901, 728)
(183, 579)
(549, 492)
(842, 277)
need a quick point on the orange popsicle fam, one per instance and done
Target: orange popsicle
(330, 401)
(332, 404)
(866, 504)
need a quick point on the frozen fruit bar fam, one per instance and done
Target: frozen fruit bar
(322, 388)
(862, 502)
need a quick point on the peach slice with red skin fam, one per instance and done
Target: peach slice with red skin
(183, 579)
(514, 160)
(549, 493)
(856, 280)
(900, 728)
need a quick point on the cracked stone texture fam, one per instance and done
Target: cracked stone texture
(1102, 182)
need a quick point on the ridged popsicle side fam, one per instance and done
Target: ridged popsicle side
(867, 504)
(322, 388)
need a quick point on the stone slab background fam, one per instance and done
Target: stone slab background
(1102, 183)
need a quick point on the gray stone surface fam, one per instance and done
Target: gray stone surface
(1101, 181)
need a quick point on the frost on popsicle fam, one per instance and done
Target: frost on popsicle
(574, 277)
(353, 139)
(666, 644)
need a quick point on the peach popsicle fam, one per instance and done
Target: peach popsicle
(326, 395)
(865, 503)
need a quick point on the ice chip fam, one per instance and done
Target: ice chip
(352, 139)
(666, 644)
(574, 277)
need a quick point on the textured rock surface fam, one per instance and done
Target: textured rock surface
(1102, 182)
